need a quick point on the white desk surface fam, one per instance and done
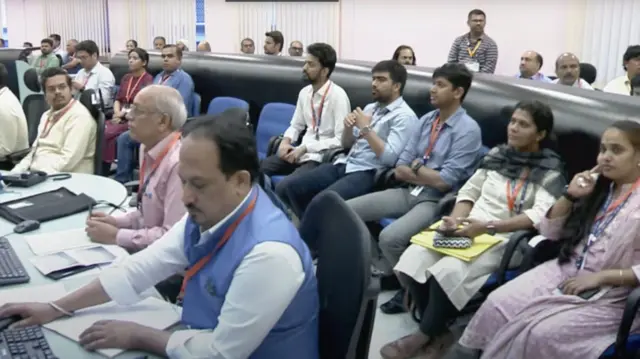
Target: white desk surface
(99, 188)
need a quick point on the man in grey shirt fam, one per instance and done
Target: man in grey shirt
(475, 49)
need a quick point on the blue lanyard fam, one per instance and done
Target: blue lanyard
(600, 224)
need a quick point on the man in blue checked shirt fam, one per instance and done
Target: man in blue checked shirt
(376, 136)
(440, 156)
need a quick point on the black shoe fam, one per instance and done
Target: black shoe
(394, 305)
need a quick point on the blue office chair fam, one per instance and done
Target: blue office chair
(274, 120)
(195, 105)
(220, 104)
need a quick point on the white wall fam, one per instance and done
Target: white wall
(25, 21)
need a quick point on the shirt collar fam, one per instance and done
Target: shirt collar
(154, 151)
(390, 107)
(322, 89)
(482, 38)
(452, 119)
(228, 216)
(94, 70)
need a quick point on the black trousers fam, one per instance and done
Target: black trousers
(433, 304)
(169, 288)
(276, 166)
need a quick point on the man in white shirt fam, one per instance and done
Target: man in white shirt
(66, 139)
(14, 135)
(93, 74)
(631, 64)
(568, 72)
(249, 289)
(321, 109)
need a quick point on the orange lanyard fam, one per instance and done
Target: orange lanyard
(127, 96)
(154, 167)
(225, 238)
(436, 128)
(54, 118)
(618, 202)
(315, 121)
(472, 53)
(512, 194)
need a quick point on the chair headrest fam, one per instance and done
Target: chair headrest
(588, 72)
(32, 80)
(87, 98)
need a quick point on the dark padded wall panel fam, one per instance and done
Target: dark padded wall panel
(581, 115)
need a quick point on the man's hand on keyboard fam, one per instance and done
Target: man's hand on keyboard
(31, 313)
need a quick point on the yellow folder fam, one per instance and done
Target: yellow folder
(479, 246)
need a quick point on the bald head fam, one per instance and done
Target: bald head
(204, 46)
(530, 64)
(568, 69)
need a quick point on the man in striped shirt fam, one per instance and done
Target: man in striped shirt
(475, 49)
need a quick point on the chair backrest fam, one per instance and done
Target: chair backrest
(197, 102)
(60, 59)
(274, 119)
(588, 72)
(342, 242)
(34, 106)
(87, 98)
(220, 104)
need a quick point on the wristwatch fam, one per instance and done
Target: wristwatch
(416, 167)
(365, 131)
(570, 198)
(491, 228)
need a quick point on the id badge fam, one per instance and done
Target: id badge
(416, 191)
(473, 66)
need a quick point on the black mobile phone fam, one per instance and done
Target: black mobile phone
(442, 232)
(587, 294)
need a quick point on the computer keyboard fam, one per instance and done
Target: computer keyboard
(11, 269)
(27, 343)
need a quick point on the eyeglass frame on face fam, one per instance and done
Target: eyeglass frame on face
(297, 49)
(134, 112)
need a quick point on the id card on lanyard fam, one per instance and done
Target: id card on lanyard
(164, 79)
(603, 219)
(436, 128)
(317, 118)
(516, 188)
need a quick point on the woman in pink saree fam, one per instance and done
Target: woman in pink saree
(543, 313)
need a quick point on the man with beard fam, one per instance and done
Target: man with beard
(568, 72)
(321, 109)
(66, 134)
(47, 58)
(376, 136)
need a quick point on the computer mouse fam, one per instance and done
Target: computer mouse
(26, 226)
(6, 322)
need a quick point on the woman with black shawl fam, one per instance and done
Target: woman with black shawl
(512, 190)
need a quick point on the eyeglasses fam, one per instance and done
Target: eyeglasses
(299, 49)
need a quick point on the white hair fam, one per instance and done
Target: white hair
(168, 101)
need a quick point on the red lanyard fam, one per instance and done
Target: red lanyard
(164, 79)
(127, 96)
(436, 128)
(42, 61)
(156, 163)
(86, 80)
(316, 120)
(618, 202)
(512, 194)
(54, 118)
(225, 238)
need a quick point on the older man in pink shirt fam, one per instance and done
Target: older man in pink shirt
(157, 114)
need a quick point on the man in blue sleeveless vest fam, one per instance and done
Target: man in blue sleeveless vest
(249, 289)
